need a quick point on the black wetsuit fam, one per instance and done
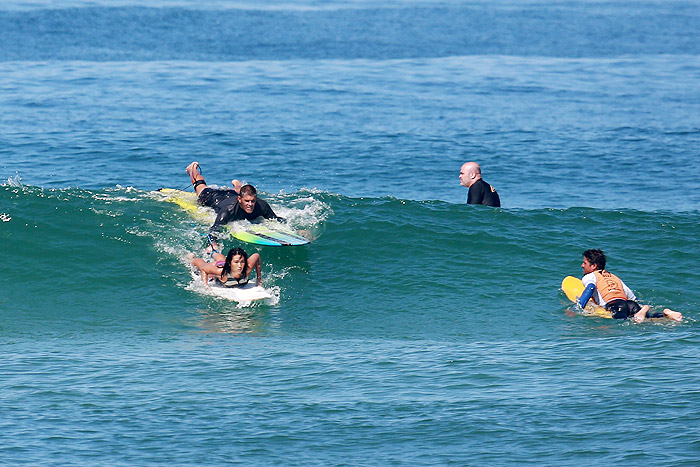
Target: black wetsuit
(622, 309)
(482, 193)
(224, 201)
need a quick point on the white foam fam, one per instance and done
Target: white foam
(15, 181)
(305, 213)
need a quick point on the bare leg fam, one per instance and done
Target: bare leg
(207, 269)
(236, 185)
(641, 314)
(193, 171)
(674, 315)
(200, 263)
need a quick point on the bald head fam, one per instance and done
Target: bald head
(469, 174)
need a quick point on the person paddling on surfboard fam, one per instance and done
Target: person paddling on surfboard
(230, 204)
(232, 270)
(609, 291)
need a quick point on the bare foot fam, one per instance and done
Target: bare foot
(192, 170)
(236, 185)
(674, 315)
(212, 248)
(196, 178)
(641, 314)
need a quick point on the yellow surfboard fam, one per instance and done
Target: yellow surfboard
(573, 288)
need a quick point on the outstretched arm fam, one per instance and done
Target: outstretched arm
(267, 212)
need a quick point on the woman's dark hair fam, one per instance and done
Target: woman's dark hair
(231, 253)
(596, 257)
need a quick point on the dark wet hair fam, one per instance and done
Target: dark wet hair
(248, 190)
(231, 253)
(596, 257)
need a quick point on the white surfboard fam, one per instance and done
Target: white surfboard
(241, 294)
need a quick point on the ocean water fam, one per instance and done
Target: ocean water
(414, 329)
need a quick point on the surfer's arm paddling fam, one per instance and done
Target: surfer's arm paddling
(586, 295)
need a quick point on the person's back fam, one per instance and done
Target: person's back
(482, 193)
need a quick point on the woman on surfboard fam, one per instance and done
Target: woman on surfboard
(232, 270)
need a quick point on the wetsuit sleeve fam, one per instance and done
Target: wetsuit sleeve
(586, 295)
(589, 279)
(222, 218)
(267, 212)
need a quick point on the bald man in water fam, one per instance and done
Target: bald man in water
(480, 192)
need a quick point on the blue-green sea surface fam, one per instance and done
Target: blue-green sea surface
(414, 329)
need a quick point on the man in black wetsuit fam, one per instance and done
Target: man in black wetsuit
(480, 192)
(238, 203)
